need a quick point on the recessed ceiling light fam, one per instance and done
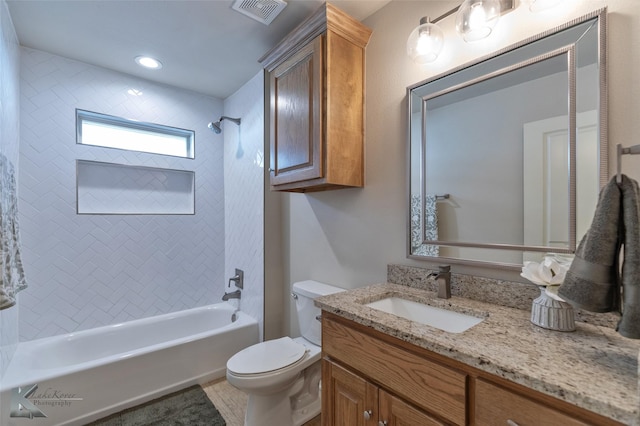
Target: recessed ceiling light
(147, 62)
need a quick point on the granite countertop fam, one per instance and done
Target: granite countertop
(593, 367)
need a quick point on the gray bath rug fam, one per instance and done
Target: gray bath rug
(188, 407)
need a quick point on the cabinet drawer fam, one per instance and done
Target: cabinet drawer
(398, 413)
(431, 386)
(496, 406)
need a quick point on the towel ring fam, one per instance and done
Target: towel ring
(620, 151)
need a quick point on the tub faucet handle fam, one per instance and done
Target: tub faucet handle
(238, 278)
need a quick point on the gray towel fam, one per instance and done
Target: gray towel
(592, 280)
(629, 325)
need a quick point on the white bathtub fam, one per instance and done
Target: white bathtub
(90, 374)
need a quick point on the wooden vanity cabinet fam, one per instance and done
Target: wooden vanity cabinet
(362, 372)
(316, 104)
(495, 405)
(367, 371)
(351, 400)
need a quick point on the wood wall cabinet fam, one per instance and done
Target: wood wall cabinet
(369, 378)
(315, 83)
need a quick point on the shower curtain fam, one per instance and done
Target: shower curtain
(12, 278)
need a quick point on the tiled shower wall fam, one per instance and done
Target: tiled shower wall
(9, 138)
(244, 192)
(86, 271)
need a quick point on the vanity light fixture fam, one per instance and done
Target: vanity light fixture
(425, 42)
(475, 20)
(148, 62)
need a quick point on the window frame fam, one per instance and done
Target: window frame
(125, 123)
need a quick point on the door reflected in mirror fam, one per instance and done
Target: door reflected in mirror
(507, 155)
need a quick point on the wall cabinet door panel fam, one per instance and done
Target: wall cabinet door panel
(296, 92)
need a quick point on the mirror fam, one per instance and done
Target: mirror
(507, 154)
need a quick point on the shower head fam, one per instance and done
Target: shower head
(216, 126)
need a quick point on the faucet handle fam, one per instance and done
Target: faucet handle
(444, 268)
(238, 278)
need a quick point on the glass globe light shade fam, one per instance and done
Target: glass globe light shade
(476, 18)
(425, 42)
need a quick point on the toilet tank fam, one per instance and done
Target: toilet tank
(304, 292)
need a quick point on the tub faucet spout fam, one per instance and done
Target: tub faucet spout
(233, 295)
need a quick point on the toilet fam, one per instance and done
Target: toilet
(282, 376)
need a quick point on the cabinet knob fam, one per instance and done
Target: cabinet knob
(367, 414)
(511, 423)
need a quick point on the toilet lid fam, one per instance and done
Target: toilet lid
(266, 356)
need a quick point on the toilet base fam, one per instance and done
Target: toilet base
(305, 414)
(293, 406)
(267, 410)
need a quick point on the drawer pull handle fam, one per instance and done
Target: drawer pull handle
(367, 414)
(511, 423)
(382, 423)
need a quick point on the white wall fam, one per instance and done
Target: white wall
(347, 237)
(9, 144)
(244, 193)
(86, 271)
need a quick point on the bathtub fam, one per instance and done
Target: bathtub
(90, 374)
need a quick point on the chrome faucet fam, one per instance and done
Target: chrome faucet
(443, 279)
(233, 295)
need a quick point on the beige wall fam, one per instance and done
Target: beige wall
(347, 237)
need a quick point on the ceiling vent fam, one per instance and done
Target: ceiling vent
(263, 11)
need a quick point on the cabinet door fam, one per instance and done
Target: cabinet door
(497, 406)
(296, 116)
(347, 399)
(426, 384)
(396, 412)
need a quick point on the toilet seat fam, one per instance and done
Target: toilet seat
(267, 357)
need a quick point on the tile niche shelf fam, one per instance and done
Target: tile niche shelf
(109, 188)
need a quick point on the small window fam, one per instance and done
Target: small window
(114, 132)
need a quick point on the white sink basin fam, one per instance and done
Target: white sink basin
(453, 322)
